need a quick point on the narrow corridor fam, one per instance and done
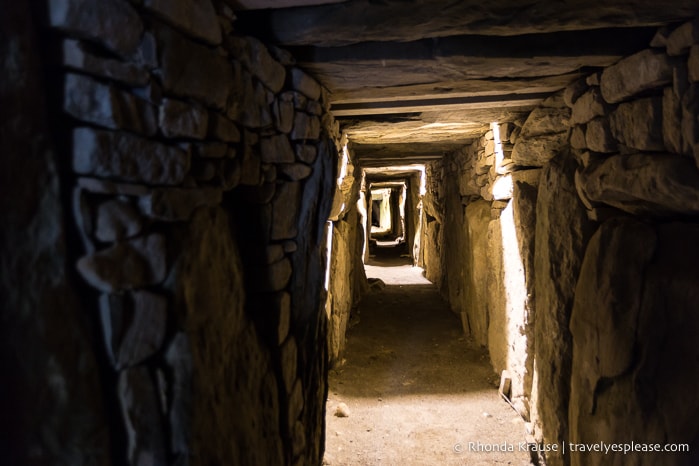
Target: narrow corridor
(416, 389)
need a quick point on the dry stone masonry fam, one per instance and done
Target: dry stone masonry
(183, 138)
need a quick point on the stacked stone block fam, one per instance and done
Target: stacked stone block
(169, 113)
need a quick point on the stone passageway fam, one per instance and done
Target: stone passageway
(416, 390)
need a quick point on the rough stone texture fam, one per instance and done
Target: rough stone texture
(644, 184)
(283, 109)
(588, 106)
(633, 328)
(672, 121)
(116, 220)
(305, 153)
(645, 70)
(132, 264)
(224, 129)
(276, 149)
(178, 357)
(177, 204)
(124, 156)
(693, 63)
(192, 70)
(545, 120)
(599, 138)
(294, 171)
(285, 210)
(140, 409)
(573, 91)
(559, 253)
(196, 18)
(230, 363)
(681, 39)
(77, 55)
(690, 122)
(104, 105)
(178, 119)
(638, 124)
(51, 395)
(256, 58)
(577, 137)
(304, 84)
(477, 217)
(133, 326)
(305, 127)
(112, 23)
(536, 152)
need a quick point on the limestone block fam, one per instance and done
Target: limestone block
(285, 207)
(588, 106)
(304, 84)
(536, 152)
(598, 136)
(128, 157)
(133, 326)
(102, 104)
(644, 70)
(77, 55)
(574, 91)
(178, 357)
(305, 127)
(645, 184)
(672, 121)
(276, 149)
(140, 410)
(681, 39)
(132, 264)
(178, 204)
(544, 120)
(196, 18)
(294, 171)
(638, 124)
(283, 110)
(223, 129)
(477, 219)
(112, 23)
(256, 58)
(577, 137)
(693, 63)
(116, 220)
(192, 70)
(559, 254)
(179, 119)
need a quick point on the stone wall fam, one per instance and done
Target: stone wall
(196, 169)
(595, 339)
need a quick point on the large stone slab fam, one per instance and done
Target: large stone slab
(588, 106)
(192, 70)
(112, 23)
(196, 18)
(599, 138)
(276, 149)
(125, 156)
(672, 121)
(305, 84)
(644, 184)
(104, 105)
(645, 70)
(559, 255)
(639, 124)
(133, 264)
(285, 208)
(178, 357)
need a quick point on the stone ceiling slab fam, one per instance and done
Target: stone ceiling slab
(400, 20)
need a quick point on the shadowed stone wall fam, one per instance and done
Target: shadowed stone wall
(193, 177)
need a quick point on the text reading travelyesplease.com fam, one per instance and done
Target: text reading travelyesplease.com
(565, 447)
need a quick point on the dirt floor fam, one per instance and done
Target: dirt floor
(416, 391)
